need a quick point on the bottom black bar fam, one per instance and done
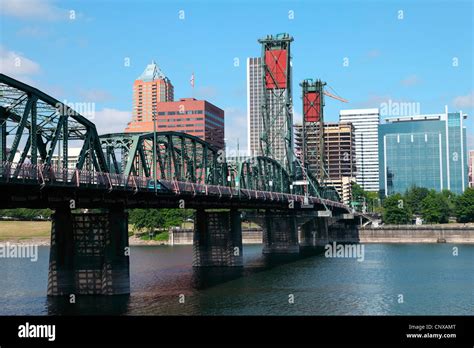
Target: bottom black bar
(417, 330)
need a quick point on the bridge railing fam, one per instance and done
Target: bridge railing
(52, 175)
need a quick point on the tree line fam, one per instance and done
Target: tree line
(432, 206)
(25, 214)
(147, 220)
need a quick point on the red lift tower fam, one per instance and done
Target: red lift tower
(276, 140)
(313, 123)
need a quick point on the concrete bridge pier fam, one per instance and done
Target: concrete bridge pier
(217, 239)
(89, 253)
(280, 232)
(314, 234)
(343, 229)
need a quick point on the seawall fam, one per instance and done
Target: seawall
(384, 234)
(417, 234)
(185, 236)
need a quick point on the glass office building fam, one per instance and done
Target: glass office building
(425, 151)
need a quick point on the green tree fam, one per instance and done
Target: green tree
(358, 193)
(464, 207)
(414, 196)
(26, 214)
(172, 217)
(371, 199)
(451, 198)
(145, 219)
(395, 210)
(435, 208)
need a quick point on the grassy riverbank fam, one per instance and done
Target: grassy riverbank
(20, 230)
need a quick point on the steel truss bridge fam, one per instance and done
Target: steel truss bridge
(43, 128)
(116, 172)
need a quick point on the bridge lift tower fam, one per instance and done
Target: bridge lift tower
(276, 140)
(313, 93)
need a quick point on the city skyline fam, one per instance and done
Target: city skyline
(255, 159)
(428, 69)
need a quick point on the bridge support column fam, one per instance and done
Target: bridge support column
(280, 233)
(314, 234)
(343, 231)
(217, 239)
(89, 253)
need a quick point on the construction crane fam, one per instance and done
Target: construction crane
(329, 94)
(313, 93)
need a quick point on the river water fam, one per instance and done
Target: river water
(393, 279)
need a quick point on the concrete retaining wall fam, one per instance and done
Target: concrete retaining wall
(417, 234)
(383, 234)
(185, 236)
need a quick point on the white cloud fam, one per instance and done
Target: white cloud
(464, 101)
(236, 129)
(16, 65)
(111, 120)
(411, 80)
(32, 32)
(33, 9)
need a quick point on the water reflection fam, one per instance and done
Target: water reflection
(431, 279)
(88, 305)
(206, 277)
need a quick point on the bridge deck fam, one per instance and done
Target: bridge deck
(35, 185)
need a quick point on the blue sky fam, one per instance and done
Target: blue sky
(403, 56)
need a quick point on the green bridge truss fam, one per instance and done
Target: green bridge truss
(37, 125)
(32, 122)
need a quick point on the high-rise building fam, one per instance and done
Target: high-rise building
(471, 163)
(188, 115)
(340, 160)
(254, 109)
(425, 151)
(339, 149)
(365, 122)
(254, 100)
(150, 88)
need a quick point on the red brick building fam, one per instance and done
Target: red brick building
(150, 88)
(153, 92)
(188, 115)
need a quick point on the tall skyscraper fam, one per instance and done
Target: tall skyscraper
(254, 99)
(471, 164)
(150, 88)
(254, 108)
(425, 151)
(339, 144)
(188, 115)
(365, 122)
